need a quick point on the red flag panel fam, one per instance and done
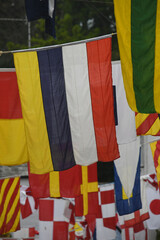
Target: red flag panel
(10, 106)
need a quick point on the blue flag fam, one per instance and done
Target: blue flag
(124, 204)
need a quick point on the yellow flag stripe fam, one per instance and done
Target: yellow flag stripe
(7, 199)
(140, 118)
(85, 189)
(153, 148)
(122, 9)
(158, 172)
(28, 76)
(14, 206)
(157, 61)
(13, 148)
(155, 128)
(54, 184)
(4, 184)
(92, 187)
(16, 222)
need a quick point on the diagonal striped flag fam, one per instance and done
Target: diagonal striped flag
(147, 124)
(9, 205)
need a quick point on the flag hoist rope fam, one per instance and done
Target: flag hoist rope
(58, 45)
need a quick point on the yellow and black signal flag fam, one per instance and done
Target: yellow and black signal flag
(9, 205)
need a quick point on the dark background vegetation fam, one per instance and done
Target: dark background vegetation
(75, 20)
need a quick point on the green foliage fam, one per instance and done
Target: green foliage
(75, 20)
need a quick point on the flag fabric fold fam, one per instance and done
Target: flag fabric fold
(138, 32)
(58, 90)
(9, 205)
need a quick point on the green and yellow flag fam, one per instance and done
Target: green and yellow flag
(138, 31)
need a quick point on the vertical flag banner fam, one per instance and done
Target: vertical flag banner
(147, 124)
(13, 150)
(100, 78)
(67, 104)
(125, 129)
(9, 205)
(138, 31)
